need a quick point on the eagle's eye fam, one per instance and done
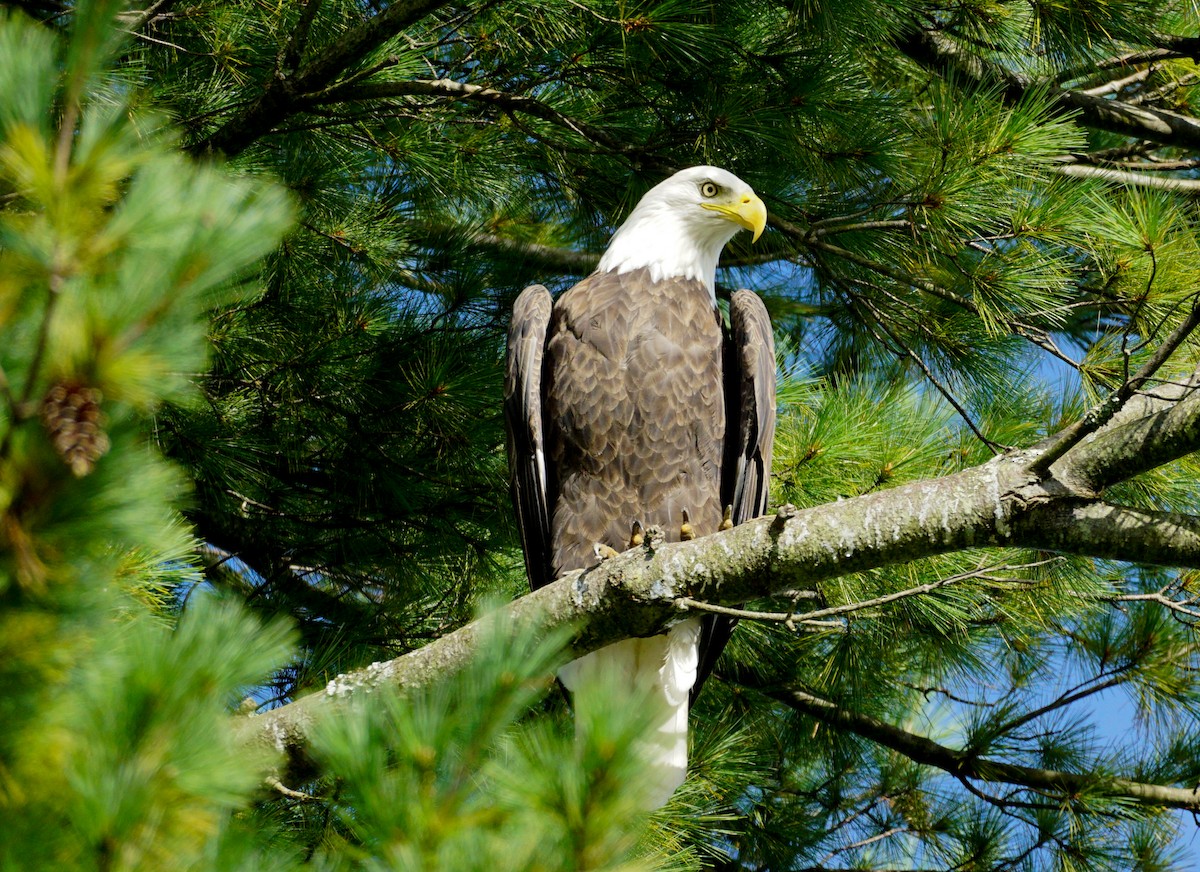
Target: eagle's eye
(709, 190)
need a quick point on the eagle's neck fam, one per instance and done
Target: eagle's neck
(667, 246)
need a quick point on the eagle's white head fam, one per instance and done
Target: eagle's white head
(680, 226)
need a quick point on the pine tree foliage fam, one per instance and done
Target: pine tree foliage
(277, 244)
(118, 751)
(444, 778)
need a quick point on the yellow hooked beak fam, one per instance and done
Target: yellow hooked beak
(747, 211)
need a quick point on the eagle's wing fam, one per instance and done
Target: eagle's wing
(750, 412)
(750, 381)
(526, 436)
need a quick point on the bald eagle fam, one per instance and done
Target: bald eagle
(628, 405)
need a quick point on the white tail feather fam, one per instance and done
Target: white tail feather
(662, 670)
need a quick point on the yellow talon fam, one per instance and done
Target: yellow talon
(604, 552)
(686, 533)
(727, 519)
(636, 536)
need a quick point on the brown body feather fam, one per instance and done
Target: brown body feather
(634, 412)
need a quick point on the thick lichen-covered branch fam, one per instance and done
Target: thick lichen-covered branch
(1104, 412)
(1148, 430)
(997, 503)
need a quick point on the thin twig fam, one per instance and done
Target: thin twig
(986, 573)
(1031, 334)
(281, 97)
(1130, 59)
(684, 603)
(1100, 414)
(141, 19)
(1115, 85)
(1118, 676)
(1007, 802)
(1163, 90)
(862, 843)
(896, 224)
(1191, 187)
(1063, 786)
(1150, 165)
(454, 90)
(274, 782)
(146, 37)
(1160, 598)
(933, 379)
(949, 694)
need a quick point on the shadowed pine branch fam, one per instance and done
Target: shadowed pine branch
(1067, 785)
(281, 95)
(940, 53)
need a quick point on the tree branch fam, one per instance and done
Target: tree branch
(963, 765)
(282, 94)
(1181, 46)
(1112, 86)
(1186, 607)
(561, 259)
(1099, 529)
(1029, 333)
(1147, 432)
(1190, 187)
(1131, 59)
(905, 351)
(136, 20)
(567, 260)
(480, 93)
(940, 53)
(814, 617)
(1100, 414)
(997, 503)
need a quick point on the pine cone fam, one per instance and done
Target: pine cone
(71, 415)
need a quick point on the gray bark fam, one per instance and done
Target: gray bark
(1002, 502)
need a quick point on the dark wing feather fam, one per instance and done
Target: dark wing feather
(750, 404)
(530, 482)
(752, 411)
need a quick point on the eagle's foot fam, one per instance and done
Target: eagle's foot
(603, 552)
(727, 519)
(654, 537)
(686, 532)
(636, 534)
